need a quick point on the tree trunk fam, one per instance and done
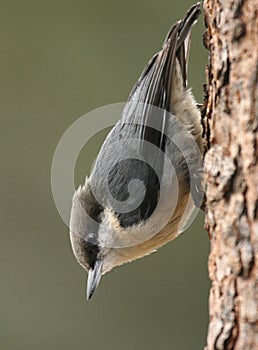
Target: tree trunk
(231, 172)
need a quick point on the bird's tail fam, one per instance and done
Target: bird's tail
(154, 87)
(183, 36)
(155, 83)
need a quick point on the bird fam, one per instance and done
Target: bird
(146, 180)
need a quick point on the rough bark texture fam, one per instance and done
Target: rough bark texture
(231, 172)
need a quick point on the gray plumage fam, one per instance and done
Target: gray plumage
(142, 189)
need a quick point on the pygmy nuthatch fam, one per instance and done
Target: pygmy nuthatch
(145, 183)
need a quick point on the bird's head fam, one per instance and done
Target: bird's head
(102, 238)
(86, 217)
(99, 242)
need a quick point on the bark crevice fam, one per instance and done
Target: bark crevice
(230, 121)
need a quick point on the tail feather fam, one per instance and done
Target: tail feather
(154, 84)
(183, 37)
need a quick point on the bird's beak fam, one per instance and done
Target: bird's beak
(94, 276)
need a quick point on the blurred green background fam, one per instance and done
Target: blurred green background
(59, 60)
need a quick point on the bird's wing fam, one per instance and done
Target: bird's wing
(141, 121)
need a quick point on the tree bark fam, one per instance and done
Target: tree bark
(231, 172)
